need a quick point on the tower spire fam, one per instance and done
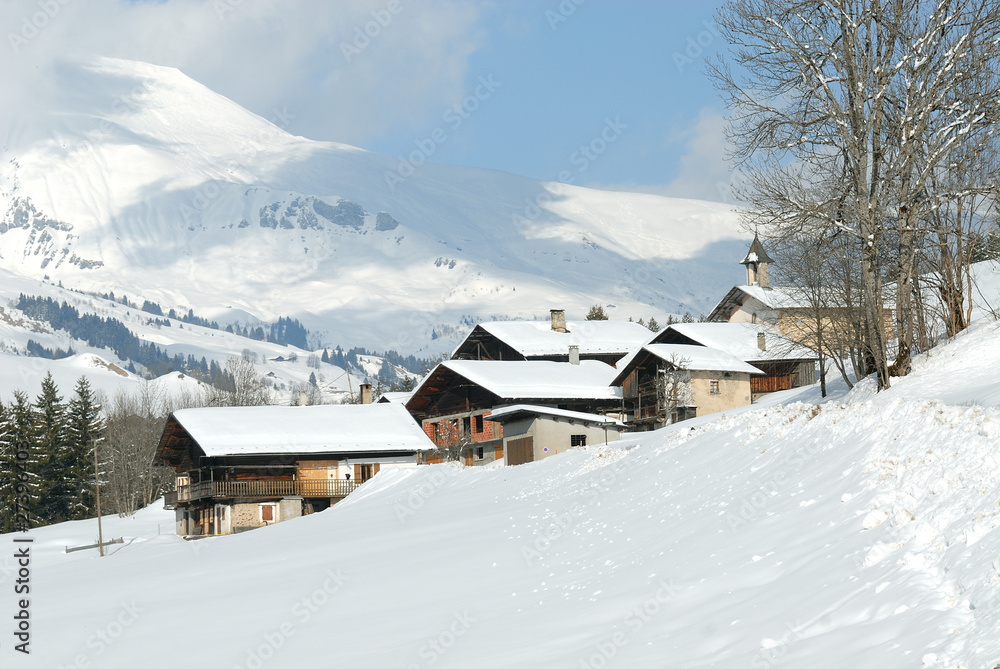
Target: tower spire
(756, 262)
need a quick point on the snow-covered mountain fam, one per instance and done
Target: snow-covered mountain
(138, 180)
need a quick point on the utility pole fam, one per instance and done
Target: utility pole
(97, 485)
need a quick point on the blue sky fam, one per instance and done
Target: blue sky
(557, 74)
(562, 76)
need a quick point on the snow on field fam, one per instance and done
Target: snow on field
(862, 532)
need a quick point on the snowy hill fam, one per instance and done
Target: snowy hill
(860, 532)
(140, 181)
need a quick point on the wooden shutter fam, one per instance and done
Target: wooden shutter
(267, 512)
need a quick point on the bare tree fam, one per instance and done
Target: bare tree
(841, 112)
(242, 386)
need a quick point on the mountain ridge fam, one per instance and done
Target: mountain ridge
(141, 181)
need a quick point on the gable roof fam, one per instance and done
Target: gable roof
(281, 430)
(737, 339)
(393, 397)
(537, 338)
(771, 298)
(534, 379)
(521, 410)
(694, 358)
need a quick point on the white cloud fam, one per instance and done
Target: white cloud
(344, 71)
(704, 173)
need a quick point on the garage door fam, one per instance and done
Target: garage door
(520, 450)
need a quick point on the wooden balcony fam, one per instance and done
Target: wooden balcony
(259, 489)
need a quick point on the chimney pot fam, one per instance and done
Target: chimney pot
(574, 355)
(366, 393)
(761, 343)
(558, 317)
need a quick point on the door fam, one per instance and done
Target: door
(520, 450)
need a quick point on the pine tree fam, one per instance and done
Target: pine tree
(19, 461)
(597, 313)
(85, 431)
(50, 436)
(653, 325)
(8, 476)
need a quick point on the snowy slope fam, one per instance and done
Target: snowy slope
(864, 532)
(141, 181)
(18, 371)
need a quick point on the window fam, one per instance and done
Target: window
(479, 453)
(267, 512)
(466, 425)
(713, 387)
(479, 423)
(363, 472)
(577, 440)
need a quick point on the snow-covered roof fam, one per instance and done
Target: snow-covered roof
(396, 397)
(740, 340)
(537, 338)
(537, 379)
(778, 298)
(504, 413)
(306, 429)
(700, 358)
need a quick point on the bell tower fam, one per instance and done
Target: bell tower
(756, 262)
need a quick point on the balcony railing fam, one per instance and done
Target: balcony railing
(304, 488)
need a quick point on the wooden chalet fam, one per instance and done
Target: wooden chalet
(667, 383)
(554, 340)
(785, 363)
(454, 399)
(244, 467)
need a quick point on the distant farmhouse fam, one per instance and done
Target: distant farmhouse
(607, 341)
(666, 383)
(455, 398)
(783, 362)
(239, 468)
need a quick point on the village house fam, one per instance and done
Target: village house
(785, 363)
(607, 341)
(239, 468)
(532, 433)
(455, 398)
(666, 383)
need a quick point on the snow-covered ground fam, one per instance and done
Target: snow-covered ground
(861, 532)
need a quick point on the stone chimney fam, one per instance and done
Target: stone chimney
(366, 393)
(761, 343)
(574, 355)
(558, 320)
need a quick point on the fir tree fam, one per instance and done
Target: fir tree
(50, 436)
(85, 431)
(19, 461)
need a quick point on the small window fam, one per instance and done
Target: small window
(466, 425)
(713, 387)
(479, 423)
(363, 472)
(578, 440)
(267, 512)
(479, 453)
